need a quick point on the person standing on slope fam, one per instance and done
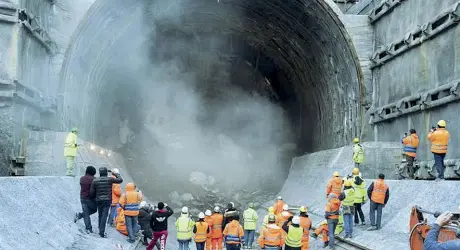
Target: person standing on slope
(70, 150)
(159, 225)
(88, 205)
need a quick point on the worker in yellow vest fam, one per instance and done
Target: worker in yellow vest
(201, 230)
(184, 228)
(271, 210)
(358, 153)
(348, 208)
(360, 195)
(70, 150)
(250, 223)
(294, 233)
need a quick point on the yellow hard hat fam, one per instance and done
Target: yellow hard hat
(356, 140)
(324, 222)
(355, 171)
(442, 123)
(271, 210)
(336, 174)
(347, 183)
(303, 209)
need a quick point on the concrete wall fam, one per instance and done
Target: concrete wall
(432, 64)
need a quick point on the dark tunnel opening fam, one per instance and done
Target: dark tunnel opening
(226, 94)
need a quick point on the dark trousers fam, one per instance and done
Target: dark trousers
(131, 226)
(410, 166)
(233, 246)
(200, 245)
(331, 225)
(359, 213)
(376, 207)
(103, 212)
(439, 163)
(89, 208)
(286, 247)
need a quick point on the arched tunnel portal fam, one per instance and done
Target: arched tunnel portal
(217, 93)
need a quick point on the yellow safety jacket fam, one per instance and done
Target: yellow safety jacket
(69, 147)
(294, 236)
(250, 219)
(360, 190)
(349, 197)
(184, 227)
(358, 153)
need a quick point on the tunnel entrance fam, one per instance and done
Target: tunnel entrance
(211, 98)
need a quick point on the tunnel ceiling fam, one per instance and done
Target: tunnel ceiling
(295, 54)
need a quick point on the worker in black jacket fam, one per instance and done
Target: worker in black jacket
(159, 225)
(144, 217)
(101, 191)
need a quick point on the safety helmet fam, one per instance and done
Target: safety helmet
(75, 129)
(271, 218)
(208, 213)
(201, 215)
(355, 171)
(143, 204)
(356, 140)
(442, 123)
(336, 174)
(296, 220)
(216, 209)
(303, 209)
(116, 171)
(185, 210)
(251, 205)
(271, 210)
(324, 222)
(285, 207)
(347, 183)
(279, 198)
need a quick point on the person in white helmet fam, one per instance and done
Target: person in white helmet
(201, 231)
(283, 216)
(217, 229)
(279, 204)
(294, 233)
(208, 219)
(184, 228)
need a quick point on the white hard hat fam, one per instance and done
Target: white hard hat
(201, 215)
(116, 171)
(185, 210)
(285, 207)
(143, 204)
(208, 213)
(296, 220)
(216, 209)
(279, 197)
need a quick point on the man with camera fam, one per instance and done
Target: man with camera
(439, 138)
(431, 241)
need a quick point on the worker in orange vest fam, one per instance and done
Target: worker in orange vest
(216, 230)
(129, 201)
(334, 185)
(378, 193)
(272, 236)
(278, 205)
(208, 220)
(233, 234)
(305, 223)
(116, 194)
(332, 216)
(283, 216)
(201, 231)
(120, 223)
(439, 138)
(322, 230)
(410, 143)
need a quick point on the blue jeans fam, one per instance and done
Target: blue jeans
(348, 223)
(439, 163)
(249, 237)
(375, 207)
(112, 211)
(131, 226)
(184, 244)
(200, 245)
(331, 225)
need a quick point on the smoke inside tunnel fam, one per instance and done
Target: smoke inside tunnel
(211, 96)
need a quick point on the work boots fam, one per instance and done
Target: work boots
(326, 244)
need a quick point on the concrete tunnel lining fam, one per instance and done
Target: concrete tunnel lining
(308, 57)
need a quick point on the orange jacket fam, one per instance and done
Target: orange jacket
(217, 220)
(120, 221)
(324, 231)
(410, 145)
(305, 223)
(278, 207)
(282, 217)
(208, 219)
(130, 200)
(332, 209)
(439, 140)
(334, 186)
(201, 231)
(271, 236)
(116, 192)
(379, 191)
(233, 232)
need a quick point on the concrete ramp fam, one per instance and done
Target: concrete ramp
(306, 185)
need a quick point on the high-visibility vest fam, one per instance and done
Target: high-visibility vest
(333, 207)
(278, 207)
(272, 236)
(132, 203)
(184, 227)
(217, 220)
(379, 191)
(250, 219)
(358, 153)
(69, 145)
(305, 223)
(282, 217)
(360, 190)
(334, 186)
(233, 233)
(410, 145)
(208, 220)
(439, 140)
(349, 197)
(201, 231)
(120, 223)
(294, 236)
